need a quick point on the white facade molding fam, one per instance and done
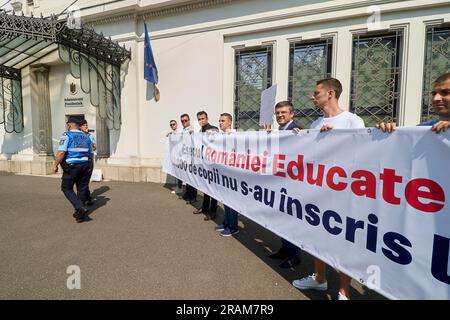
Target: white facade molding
(334, 38)
(405, 29)
(17, 5)
(355, 9)
(137, 13)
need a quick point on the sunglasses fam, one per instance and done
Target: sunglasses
(184, 120)
(173, 124)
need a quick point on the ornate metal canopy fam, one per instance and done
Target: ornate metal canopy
(94, 59)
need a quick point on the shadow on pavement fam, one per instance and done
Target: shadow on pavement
(263, 242)
(99, 191)
(99, 200)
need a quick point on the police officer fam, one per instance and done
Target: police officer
(74, 150)
(84, 127)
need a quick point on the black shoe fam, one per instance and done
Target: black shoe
(80, 214)
(89, 203)
(280, 254)
(191, 201)
(210, 216)
(290, 263)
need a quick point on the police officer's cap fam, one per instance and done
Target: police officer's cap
(73, 120)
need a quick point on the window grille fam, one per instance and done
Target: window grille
(376, 70)
(437, 62)
(252, 76)
(308, 63)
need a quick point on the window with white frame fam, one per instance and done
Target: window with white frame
(437, 62)
(253, 74)
(309, 62)
(376, 74)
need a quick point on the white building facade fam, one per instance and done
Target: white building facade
(218, 56)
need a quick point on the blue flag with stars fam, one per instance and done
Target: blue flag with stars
(150, 71)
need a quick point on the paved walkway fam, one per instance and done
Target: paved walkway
(142, 243)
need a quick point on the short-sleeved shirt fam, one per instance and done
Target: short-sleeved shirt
(92, 138)
(344, 120)
(429, 123)
(77, 146)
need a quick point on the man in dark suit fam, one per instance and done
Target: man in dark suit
(209, 206)
(284, 112)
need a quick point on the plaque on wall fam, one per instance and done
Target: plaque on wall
(73, 102)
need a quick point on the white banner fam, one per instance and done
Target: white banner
(373, 205)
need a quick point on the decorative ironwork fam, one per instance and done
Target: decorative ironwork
(253, 75)
(86, 41)
(10, 73)
(98, 78)
(11, 110)
(437, 62)
(309, 62)
(375, 77)
(12, 26)
(94, 59)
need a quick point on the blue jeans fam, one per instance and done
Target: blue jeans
(231, 218)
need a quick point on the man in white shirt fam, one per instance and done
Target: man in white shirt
(174, 130)
(325, 97)
(191, 193)
(186, 123)
(229, 226)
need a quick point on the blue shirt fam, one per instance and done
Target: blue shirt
(429, 123)
(91, 137)
(77, 146)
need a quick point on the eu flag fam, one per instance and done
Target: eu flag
(150, 71)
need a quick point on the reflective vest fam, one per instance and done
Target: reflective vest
(79, 147)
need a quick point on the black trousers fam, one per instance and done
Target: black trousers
(191, 193)
(79, 175)
(209, 204)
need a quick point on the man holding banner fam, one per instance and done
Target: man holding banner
(284, 112)
(325, 97)
(441, 105)
(209, 206)
(190, 195)
(229, 226)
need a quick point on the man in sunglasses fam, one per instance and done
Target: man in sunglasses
(174, 129)
(191, 193)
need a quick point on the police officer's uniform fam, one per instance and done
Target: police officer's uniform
(77, 147)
